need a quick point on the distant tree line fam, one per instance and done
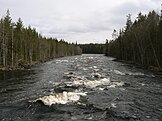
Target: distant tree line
(140, 41)
(92, 48)
(21, 46)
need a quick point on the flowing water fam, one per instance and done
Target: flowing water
(81, 88)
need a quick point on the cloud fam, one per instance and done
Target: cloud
(85, 21)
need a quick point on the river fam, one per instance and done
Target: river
(105, 91)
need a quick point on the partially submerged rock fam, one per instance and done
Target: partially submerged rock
(96, 75)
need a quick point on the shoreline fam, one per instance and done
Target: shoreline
(153, 69)
(27, 66)
(22, 67)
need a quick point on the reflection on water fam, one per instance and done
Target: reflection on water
(5, 75)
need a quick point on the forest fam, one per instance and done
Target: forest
(23, 46)
(92, 48)
(139, 41)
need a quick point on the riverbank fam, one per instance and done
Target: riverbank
(150, 68)
(21, 66)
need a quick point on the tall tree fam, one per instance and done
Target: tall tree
(23, 46)
(140, 42)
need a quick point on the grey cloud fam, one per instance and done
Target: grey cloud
(82, 20)
(126, 8)
(134, 7)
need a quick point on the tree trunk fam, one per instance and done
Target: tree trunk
(12, 47)
(3, 48)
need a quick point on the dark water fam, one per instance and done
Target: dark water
(140, 99)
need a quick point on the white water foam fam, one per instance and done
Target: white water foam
(62, 61)
(95, 83)
(136, 74)
(119, 72)
(116, 84)
(61, 98)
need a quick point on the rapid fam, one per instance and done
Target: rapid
(80, 88)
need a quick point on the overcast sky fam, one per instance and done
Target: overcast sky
(84, 21)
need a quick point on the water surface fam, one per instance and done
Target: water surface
(139, 99)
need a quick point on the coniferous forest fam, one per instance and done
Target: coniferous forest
(92, 48)
(139, 42)
(23, 46)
